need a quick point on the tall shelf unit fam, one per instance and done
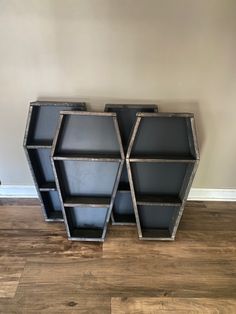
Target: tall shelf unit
(41, 127)
(162, 159)
(87, 161)
(123, 212)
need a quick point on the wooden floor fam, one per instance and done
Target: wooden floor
(42, 272)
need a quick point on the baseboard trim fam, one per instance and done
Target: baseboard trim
(18, 191)
(196, 194)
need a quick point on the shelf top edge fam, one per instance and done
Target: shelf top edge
(58, 103)
(164, 114)
(89, 113)
(131, 106)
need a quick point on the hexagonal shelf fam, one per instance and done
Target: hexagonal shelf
(40, 130)
(162, 159)
(87, 159)
(123, 212)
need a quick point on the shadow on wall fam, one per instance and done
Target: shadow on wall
(191, 106)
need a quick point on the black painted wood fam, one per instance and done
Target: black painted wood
(162, 159)
(123, 212)
(41, 127)
(87, 162)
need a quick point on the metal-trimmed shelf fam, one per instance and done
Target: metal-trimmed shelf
(161, 159)
(87, 159)
(41, 127)
(123, 212)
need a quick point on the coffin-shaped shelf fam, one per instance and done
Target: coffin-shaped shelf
(161, 160)
(123, 212)
(87, 160)
(41, 127)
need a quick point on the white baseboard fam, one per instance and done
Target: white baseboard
(196, 194)
(18, 191)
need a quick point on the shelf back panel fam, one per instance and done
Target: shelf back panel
(86, 218)
(123, 204)
(163, 136)
(158, 178)
(52, 204)
(41, 160)
(156, 217)
(86, 178)
(88, 135)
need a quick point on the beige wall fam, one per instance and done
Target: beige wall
(178, 53)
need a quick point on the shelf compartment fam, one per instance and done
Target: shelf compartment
(160, 179)
(52, 205)
(86, 178)
(156, 221)
(76, 201)
(164, 135)
(123, 211)
(126, 117)
(124, 180)
(97, 136)
(43, 120)
(156, 234)
(86, 224)
(41, 164)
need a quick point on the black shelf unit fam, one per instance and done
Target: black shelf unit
(41, 127)
(123, 212)
(162, 159)
(87, 159)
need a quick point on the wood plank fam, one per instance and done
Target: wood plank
(11, 270)
(179, 277)
(172, 305)
(32, 301)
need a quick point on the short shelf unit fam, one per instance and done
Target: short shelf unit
(162, 159)
(41, 127)
(123, 212)
(87, 162)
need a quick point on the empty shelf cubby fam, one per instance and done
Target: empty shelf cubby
(86, 178)
(85, 223)
(87, 162)
(123, 212)
(156, 220)
(52, 204)
(162, 159)
(164, 136)
(43, 118)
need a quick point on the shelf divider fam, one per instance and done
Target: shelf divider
(77, 201)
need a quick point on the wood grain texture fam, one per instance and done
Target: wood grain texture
(42, 272)
(172, 305)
